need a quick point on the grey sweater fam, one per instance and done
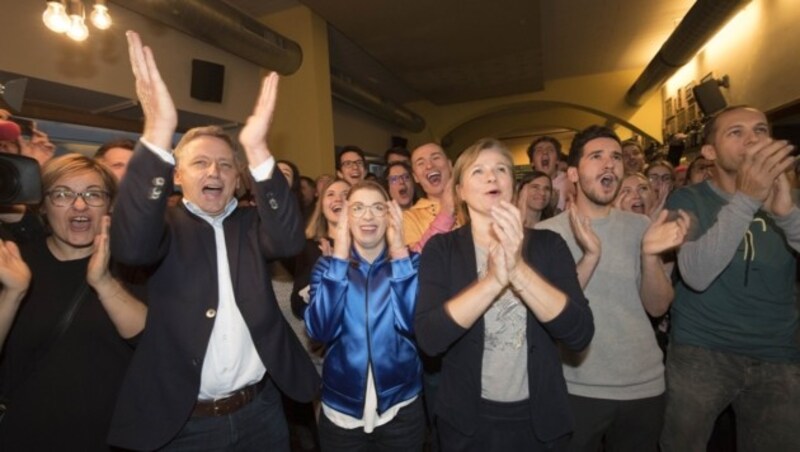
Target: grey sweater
(623, 361)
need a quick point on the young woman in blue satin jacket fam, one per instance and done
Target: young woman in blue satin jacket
(362, 308)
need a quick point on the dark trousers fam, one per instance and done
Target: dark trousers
(404, 433)
(259, 425)
(619, 425)
(702, 382)
(503, 427)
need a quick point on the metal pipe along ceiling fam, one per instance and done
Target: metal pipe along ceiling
(702, 21)
(347, 91)
(224, 26)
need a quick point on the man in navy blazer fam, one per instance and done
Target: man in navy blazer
(216, 348)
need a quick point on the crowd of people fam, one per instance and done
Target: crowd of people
(453, 307)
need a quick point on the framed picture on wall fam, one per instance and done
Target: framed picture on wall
(687, 90)
(669, 107)
(683, 120)
(670, 126)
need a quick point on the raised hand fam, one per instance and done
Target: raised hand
(253, 136)
(160, 116)
(663, 235)
(341, 242)
(496, 264)
(584, 233)
(325, 247)
(507, 227)
(762, 165)
(447, 201)
(394, 231)
(97, 271)
(15, 276)
(661, 200)
(779, 201)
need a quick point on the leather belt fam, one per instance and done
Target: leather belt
(230, 404)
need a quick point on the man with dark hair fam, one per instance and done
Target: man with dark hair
(115, 155)
(735, 318)
(397, 154)
(633, 156)
(351, 164)
(544, 154)
(616, 385)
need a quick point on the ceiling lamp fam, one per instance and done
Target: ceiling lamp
(55, 17)
(100, 17)
(72, 21)
(78, 30)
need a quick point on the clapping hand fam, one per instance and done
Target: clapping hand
(663, 235)
(342, 239)
(160, 116)
(508, 231)
(253, 136)
(97, 271)
(15, 276)
(584, 234)
(394, 231)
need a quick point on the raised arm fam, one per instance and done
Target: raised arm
(661, 236)
(15, 276)
(138, 234)
(125, 311)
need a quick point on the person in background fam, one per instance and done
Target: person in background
(633, 157)
(320, 232)
(494, 300)
(351, 164)
(636, 195)
(433, 214)
(67, 329)
(362, 309)
(680, 176)
(308, 196)
(662, 179)
(399, 184)
(18, 222)
(115, 155)
(544, 155)
(397, 154)
(533, 198)
(701, 169)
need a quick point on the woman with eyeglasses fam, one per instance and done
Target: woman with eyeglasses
(66, 351)
(661, 174)
(400, 184)
(362, 309)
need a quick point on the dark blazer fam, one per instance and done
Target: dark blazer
(163, 381)
(447, 267)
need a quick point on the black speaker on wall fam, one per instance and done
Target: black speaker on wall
(207, 81)
(709, 97)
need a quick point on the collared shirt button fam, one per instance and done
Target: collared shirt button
(211, 313)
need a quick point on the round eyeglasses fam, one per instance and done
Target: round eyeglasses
(66, 198)
(378, 210)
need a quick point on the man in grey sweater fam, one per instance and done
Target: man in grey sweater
(616, 384)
